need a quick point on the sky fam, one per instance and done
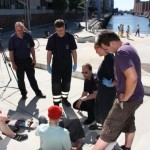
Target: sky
(124, 4)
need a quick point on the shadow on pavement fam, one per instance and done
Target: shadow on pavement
(5, 141)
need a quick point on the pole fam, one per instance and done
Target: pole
(149, 12)
(28, 14)
(86, 14)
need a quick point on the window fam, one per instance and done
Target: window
(5, 4)
(19, 5)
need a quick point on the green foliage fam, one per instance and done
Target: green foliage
(73, 4)
(92, 9)
(60, 5)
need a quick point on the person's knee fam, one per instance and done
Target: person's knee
(56, 86)
(74, 105)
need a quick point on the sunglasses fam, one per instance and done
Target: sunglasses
(84, 72)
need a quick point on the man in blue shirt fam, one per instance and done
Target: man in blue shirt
(61, 48)
(21, 46)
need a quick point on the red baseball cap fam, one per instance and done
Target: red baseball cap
(54, 112)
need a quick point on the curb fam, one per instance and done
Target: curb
(78, 75)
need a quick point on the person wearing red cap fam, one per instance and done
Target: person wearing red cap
(53, 136)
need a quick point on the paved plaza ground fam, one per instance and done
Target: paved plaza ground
(33, 107)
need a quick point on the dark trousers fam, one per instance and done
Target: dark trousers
(103, 102)
(137, 32)
(26, 66)
(87, 106)
(61, 75)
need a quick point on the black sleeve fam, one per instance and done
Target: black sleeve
(32, 44)
(72, 41)
(51, 43)
(107, 68)
(94, 86)
(11, 44)
(85, 86)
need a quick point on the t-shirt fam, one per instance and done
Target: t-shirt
(90, 85)
(53, 137)
(126, 57)
(61, 46)
(21, 46)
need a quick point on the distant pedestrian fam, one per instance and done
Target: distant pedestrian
(118, 30)
(61, 50)
(128, 31)
(21, 48)
(137, 30)
(121, 30)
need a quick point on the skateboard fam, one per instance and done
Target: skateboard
(26, 123)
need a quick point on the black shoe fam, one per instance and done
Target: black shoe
(24, 97)
(20, 137)
(88, 121)
(117, 147)
(122, 146)
(41, 95)
(66, 103)
(95, 127)
(56, 103)
(97, 137)
(125, 148)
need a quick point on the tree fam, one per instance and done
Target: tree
(73, 4)
(60, 5)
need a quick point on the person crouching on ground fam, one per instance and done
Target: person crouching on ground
(87, 100)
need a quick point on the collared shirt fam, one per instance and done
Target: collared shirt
(21, 46)
(61, 46)
(90, 85)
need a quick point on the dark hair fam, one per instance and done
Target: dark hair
(106, 37)
(88, 66)
(59, 23)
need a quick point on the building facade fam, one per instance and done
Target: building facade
(142, 8)
(39, 12)
(104, 7)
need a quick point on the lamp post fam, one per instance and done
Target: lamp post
(85, 9)
(86, 14)
(149, 12)
(28, 14)
(26, 5)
